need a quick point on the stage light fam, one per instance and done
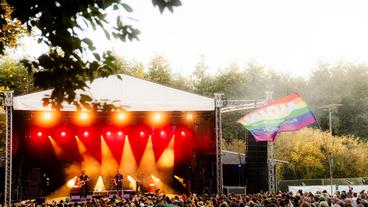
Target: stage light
(157, 116)
(141, 134)
(85, 133)
(181, 180)
(162, 133)
(100, 186)
(47, 115)
(108, 133)
(182, 133)
(120, 133)
(121, 116)
(46, 118)
(189, 116)
(63, 134)
(83, 116)
(131, 180)
(39, 134)
(71, 183)
(155, 179)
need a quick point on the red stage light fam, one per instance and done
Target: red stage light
(108, 133)
(39, 134)
(63, 134)
(120, 133)
(162, 133)
(141, 134)
(182, 133)
(85, 134)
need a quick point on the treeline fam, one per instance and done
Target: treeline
(343, 82)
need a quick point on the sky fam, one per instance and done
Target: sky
(291, 36)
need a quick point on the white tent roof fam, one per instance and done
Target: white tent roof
(132, 93)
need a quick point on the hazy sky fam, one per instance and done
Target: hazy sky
(286, 35)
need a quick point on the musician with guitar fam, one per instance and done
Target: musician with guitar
(83, 184)
(118, 182)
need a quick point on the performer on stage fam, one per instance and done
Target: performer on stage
(83, 184)
(118, 182)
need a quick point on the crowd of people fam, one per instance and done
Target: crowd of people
(299, 199)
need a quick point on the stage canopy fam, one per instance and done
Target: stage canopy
(131, 93)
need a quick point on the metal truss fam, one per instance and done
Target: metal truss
(7, 103)
(231, 105)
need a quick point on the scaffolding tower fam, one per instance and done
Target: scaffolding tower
(234, 105)
(7, 103)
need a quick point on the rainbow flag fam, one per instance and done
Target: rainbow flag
(290, 113)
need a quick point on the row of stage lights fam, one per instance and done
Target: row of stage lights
(108, 134)
(86, 118)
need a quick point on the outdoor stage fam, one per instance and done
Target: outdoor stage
(164, 139)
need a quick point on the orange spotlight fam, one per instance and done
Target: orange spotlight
(157, 118)
(132, 182)
(71, 182)
(120, 118)
(57, 149)
(155, 179)
(130, 179)
(166, 160)
(100, 186)
(47, 115)
(189, 116)
(83, 118)
(180, 180)
(46, 118)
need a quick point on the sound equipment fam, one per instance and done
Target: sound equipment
(256, 165)
(35, 182)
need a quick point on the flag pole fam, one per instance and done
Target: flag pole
(329, 107)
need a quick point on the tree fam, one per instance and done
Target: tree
(159, 70)
(201, 80)
(15, 76)
(306, 151)
(64, 68)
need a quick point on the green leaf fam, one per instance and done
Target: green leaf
(89, 43)
(107, 34)
(127, 7)
(85, 97)
(97, 56)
